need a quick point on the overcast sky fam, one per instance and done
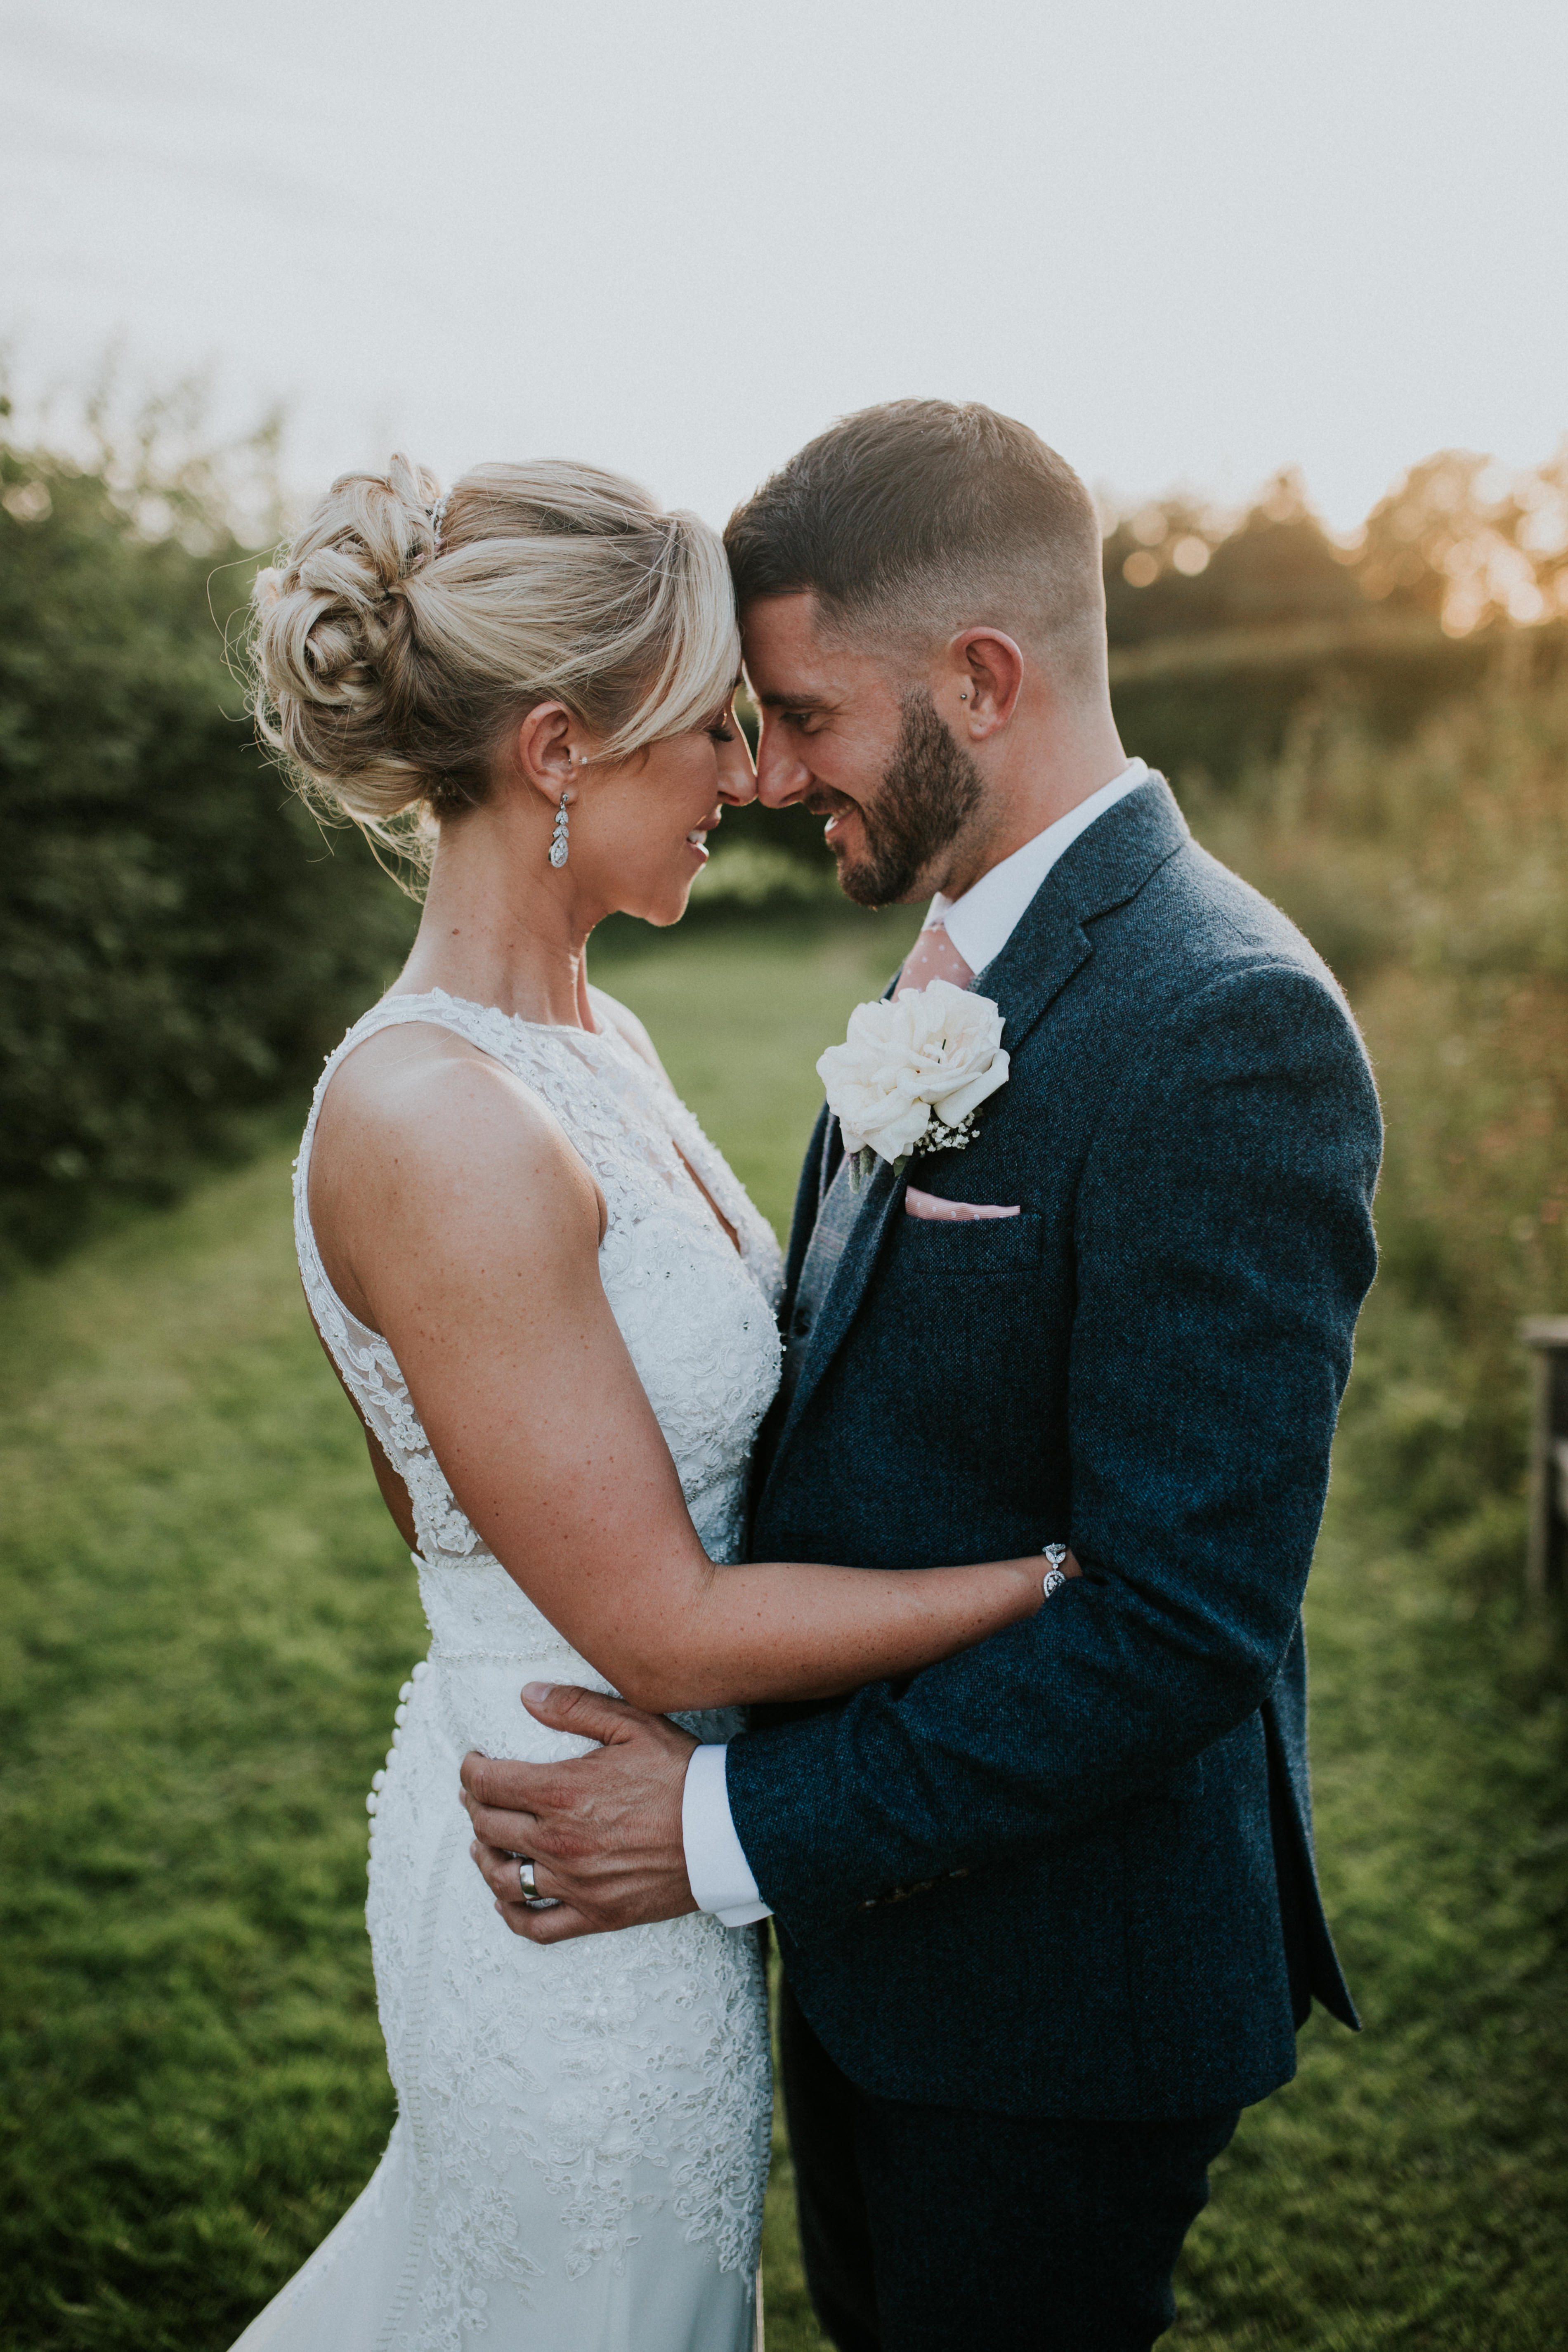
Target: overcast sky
(1187, 240)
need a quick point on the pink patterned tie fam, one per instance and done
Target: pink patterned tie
(933, 957)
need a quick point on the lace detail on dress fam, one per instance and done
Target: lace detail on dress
(625, 2077)
(697, 1316)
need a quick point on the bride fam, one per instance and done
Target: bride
(551, 1305)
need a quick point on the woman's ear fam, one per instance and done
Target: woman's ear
(546, 751)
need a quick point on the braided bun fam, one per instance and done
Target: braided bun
(388, 664)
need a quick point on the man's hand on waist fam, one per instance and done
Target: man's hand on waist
(603, 1832)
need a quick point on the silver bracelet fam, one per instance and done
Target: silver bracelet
(1055, 1574)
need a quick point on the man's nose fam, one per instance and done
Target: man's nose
(783, 775)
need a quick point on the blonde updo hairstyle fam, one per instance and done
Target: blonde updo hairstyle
(391, 657)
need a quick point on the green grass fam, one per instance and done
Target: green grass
(1411, 2186)
(206, 1628)
(207, 1618)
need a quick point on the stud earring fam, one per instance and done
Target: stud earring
(558, 843)
(963, 698)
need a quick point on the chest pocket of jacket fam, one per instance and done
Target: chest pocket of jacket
(972, 1249)
(981, 1258)
(980, 1290)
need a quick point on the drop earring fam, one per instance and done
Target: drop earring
(559, 849)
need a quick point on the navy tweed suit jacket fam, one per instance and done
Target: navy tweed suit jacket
(1069, 1873)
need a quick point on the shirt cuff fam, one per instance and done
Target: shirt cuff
(716, 1861)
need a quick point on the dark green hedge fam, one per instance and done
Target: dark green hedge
(178, 941)
(1225, 703)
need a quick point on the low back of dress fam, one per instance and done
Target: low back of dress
(582, 2137)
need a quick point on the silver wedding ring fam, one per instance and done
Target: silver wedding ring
(528, 1886)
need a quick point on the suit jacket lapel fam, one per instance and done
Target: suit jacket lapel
(881, 1192)
(823, 1154)
(1103, 868)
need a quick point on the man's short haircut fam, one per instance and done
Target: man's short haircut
(921, 517)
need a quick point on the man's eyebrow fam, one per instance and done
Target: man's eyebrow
(793, 701)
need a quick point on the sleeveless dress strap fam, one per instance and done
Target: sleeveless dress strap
(392, 1012)
(478, 1026)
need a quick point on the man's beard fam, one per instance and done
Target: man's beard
(930, 790)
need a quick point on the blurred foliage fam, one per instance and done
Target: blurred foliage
(178, 939)
(1459, 539)
(1469, 541)
(1223, 630)
(1225, 702)
(1172, 569)
(1433, 876)
(748, 877)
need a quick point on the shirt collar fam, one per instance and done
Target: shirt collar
(980, 922)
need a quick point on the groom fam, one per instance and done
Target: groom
(1047, 1911)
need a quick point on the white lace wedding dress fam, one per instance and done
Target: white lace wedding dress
(582, 2137)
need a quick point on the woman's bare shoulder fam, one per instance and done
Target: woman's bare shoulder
(399, 1083)
(417, 1124)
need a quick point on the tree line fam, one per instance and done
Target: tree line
(180, 943)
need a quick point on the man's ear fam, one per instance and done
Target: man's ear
(987, 673)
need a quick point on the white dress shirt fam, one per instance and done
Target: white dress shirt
(980, 925)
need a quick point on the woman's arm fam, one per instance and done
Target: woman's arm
(454, 1217)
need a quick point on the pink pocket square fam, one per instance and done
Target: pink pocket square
(926, 1204)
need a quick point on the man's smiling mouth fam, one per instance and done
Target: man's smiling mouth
(836, 811)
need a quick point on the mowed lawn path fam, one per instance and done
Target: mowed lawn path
(207, 1618)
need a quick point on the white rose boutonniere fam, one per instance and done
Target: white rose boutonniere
(912, 1073)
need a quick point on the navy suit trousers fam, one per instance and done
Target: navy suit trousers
(924, 2227)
